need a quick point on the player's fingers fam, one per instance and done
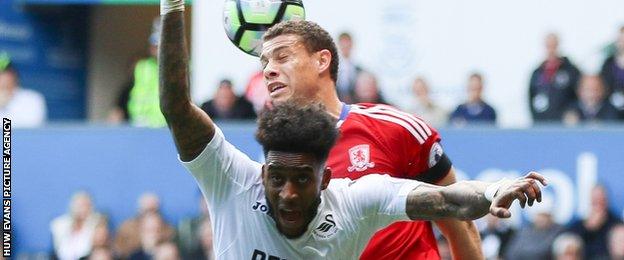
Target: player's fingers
(527, 187)
(538, 191)
(519, 195)
(537, 176)
(530, 197)
(500, 212)
(532, 176)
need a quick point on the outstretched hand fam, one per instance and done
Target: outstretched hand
(525, 189)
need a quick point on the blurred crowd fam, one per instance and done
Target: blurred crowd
(84, 233)
(599, 235)
(558, 92)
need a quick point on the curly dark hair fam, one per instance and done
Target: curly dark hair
(312, 36)
(295, 129)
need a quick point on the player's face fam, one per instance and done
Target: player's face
(293, 184)
(290, 70)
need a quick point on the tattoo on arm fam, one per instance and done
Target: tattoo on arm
(462, 200)
(426, 202)
(191, 128)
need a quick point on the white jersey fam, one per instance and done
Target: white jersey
(26, 108)
(349, 212)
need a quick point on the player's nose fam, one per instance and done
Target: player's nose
(289, 192)
(270, 72)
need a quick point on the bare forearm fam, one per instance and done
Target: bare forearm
(467, 199)
(462, 200)
(192, 129)
(426, 202)
(462, 235)
(469, 195)
(173, 67)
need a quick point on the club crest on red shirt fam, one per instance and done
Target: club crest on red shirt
(360, 158)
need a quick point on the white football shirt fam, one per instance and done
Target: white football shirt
(349, 212)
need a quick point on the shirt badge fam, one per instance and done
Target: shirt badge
(360, 158)
(326, 229)
(435, 154)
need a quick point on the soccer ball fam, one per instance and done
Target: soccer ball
(246, 21)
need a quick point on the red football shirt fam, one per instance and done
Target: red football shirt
(382, 139)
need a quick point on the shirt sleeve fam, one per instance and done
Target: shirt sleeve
(381, 199)
(221, 170)
(426, 160)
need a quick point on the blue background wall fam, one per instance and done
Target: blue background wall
(116, 165)
(48, 46)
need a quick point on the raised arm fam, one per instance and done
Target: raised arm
(471, 199)
(191, 128)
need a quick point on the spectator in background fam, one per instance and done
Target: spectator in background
(475, 110)
(616, 242)
(143, 100)
(595, 227)
(128, 237)
(567, 246)
(613, 74)
(535, 242)
(495, 237)
(73, 232)
(348, 70)
(367, 89)
(101, 254)
(423, 107)
(553, 84)
(102, 237)
(592, 105)
(102, 246)
(189, 231)
(204, 235)
(119, 113)
(25, 107)
(256, 91)
(226, 105)
(167, 251)
(152, 232)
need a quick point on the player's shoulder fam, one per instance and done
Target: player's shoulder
(341, 184)
(383, 114)
(391, 120)
(356, 193)
(338, 184)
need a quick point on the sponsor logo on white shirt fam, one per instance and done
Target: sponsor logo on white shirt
(260, 206)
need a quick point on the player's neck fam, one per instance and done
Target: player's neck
(330, 100)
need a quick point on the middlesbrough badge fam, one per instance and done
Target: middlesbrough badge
(360, 158)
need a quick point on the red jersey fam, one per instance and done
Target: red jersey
(382, 139)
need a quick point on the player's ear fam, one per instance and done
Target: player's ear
(264, 173)
(326, 178)
(324, 60)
